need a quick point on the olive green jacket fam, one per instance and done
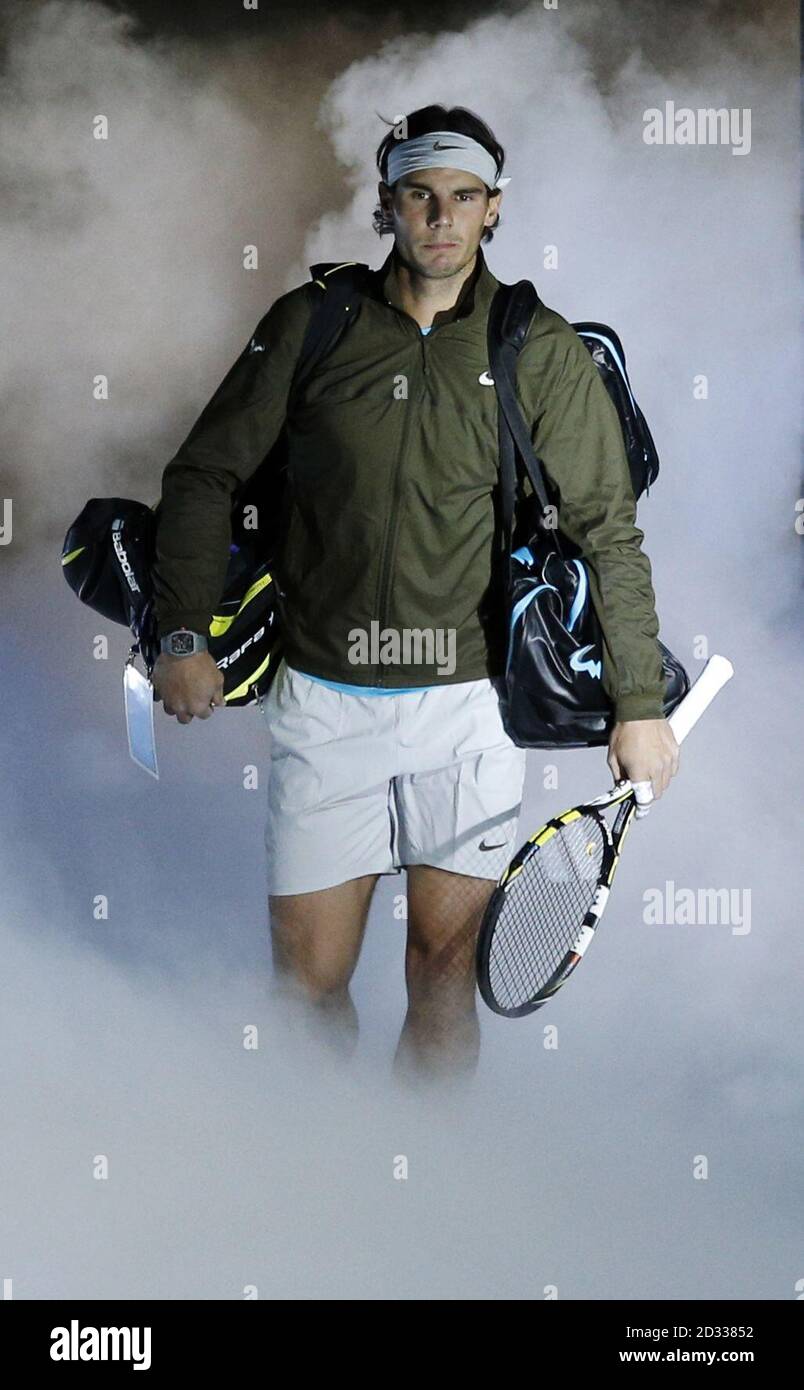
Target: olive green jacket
(390, 517)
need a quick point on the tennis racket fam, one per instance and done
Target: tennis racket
(548, 904)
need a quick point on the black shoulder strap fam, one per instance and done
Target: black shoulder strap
(337, 289)
(510, 316)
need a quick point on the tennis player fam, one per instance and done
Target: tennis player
(387, 749)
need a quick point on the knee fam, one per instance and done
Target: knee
(314, 983)
(440, 971)
(423, 958)
(326, 992)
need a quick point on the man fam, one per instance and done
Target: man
(399, 759)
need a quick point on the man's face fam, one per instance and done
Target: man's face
(439, 216)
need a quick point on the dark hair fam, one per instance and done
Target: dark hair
(422, 122)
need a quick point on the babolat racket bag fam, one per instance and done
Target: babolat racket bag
(553, 690)
(106, 559)
(107, 556)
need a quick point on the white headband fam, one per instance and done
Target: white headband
(443, 149)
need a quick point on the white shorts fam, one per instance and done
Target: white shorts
(368, 784)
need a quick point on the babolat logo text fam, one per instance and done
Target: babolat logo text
(117, 542)
(75, 1343)
(227, 661)
(406, 646)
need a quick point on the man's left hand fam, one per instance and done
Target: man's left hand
(646, 751)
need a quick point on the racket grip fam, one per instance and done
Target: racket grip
(717, 671)
(643, 791)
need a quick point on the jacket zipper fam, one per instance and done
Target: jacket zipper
(392, 527)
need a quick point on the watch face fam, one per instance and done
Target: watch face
(182, 644)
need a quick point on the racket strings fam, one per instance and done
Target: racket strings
(543, 910)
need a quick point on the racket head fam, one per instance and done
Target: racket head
(546, 907)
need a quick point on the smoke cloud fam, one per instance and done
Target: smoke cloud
(567, 1166)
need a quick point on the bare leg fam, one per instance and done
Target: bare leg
(316, 939)
(441, 1035)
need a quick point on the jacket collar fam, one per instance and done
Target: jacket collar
(474, 299)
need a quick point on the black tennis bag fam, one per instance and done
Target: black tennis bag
(107, 560)
(553, 691)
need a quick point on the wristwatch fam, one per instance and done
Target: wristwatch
(183, 642)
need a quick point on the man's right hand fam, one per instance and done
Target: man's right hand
(188, 686)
